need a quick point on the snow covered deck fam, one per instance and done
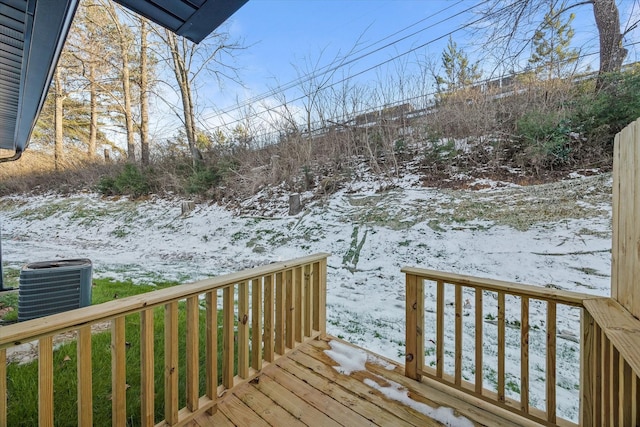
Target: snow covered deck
(332, 383)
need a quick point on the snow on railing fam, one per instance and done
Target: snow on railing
(264, 313)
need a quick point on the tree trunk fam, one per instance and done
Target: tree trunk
(144, 94)
(125, 76)
(612, 54)
(93, 101)
(182, 77)
(128, 116)
(59, 114)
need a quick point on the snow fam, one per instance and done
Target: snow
(400, 394)
(351, 359)
(372, 228)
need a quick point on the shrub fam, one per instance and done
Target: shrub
(603, 114)
(130, 181)
(545, 140)
(202, 179)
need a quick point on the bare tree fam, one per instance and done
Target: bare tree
(511, 27)
(87, 44)
(144, 92)
(607, 17)
(124, 40)
(189, 61)
(59, 97)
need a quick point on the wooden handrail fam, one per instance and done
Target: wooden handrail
(611, 358)
(530, 291)
(268, 308)
(619, 326)
(415, 351)
(33, 329)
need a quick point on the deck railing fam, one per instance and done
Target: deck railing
(265, 312)
(612, 365)
(609, 356)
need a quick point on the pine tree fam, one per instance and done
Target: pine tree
(552, 55)
(459, 73)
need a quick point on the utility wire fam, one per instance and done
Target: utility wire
(394, 58)
(274, 108)
(344, 62)
(316, 125)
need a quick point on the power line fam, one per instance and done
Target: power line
(272, 109)
(343, 62)
(315, 126)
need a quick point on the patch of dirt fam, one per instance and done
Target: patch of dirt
(28, 352)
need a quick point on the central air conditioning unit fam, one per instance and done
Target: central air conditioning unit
(52, 287)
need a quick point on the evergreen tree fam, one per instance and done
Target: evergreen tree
(552, 56)
(459, 73)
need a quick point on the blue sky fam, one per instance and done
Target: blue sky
(289, 38)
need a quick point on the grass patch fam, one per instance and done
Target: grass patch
(520, 208)
(22, 379)
(9, 300)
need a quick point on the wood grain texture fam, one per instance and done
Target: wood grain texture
(308, 300)
(211, 340)
(321, 303)
(256, 323)
(118, 372)
(192, 354)
(50, 325)
(588, 369)
(439, 327)
(551, 362)
(479, 350)
(619, 326)
(413, 349)
(171, 363)
(85, 380)
(524, 354)
(45, 382)
(458, 335)
(304, 388)
(290, 298)
(501, 346)
(625, 265)
(299, 304)
(536, 292)
(243, 330)
(228, 337)
(268, 335)
(280, 314)
(598, 394)
(615, 218)
(147, 368)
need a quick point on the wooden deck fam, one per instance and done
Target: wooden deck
(303, 388)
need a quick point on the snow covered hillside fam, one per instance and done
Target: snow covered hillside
(556, 235)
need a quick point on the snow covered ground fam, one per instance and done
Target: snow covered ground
(550, 235)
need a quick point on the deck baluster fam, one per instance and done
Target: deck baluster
(256, 324)
(524, 354)
(192, 354)
(211, 314)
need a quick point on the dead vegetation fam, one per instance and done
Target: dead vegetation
(528, 132)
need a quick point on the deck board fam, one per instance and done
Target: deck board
(292, 403)
(353, 400)
(303, 388)
(266, 408)
(239, 413)
(403, 414)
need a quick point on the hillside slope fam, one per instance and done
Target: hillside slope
(550, 235)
